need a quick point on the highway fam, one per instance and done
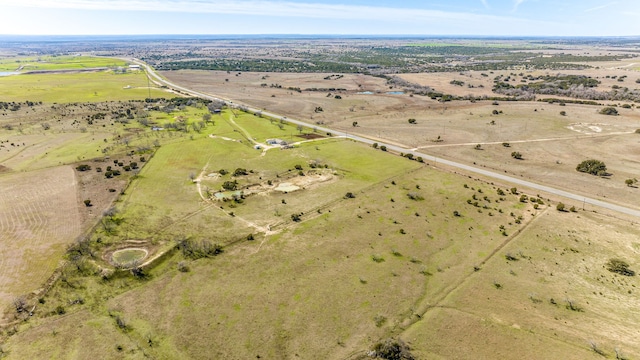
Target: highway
(513, 180)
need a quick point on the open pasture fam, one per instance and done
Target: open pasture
(547, 292)
(78, 87)
(360, 268)
(58, 63)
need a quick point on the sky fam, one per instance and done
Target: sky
(359, 17)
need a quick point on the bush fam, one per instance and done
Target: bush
(183, 267)
(240, 172)
(609, 110)
(516, 155)
(83, 167)
(560, 207)
(392, 350)
(593, 167)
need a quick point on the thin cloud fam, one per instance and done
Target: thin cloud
(516, 4)
(485, 3)
(601, 7)
(264, 8)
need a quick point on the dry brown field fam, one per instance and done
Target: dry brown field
(39, 217)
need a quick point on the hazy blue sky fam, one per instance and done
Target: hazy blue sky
(420, 17)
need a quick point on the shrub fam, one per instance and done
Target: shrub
(560, 206)
(83, 167)
(383, 148)
(183, 267)
(87, 203)
(609, 110)
(349, 195)
(240, 172)
(392, 350)
(516, 155)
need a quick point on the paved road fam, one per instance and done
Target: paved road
(492, 174)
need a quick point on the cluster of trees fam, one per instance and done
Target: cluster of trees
(259, 65)
(593, 167)
(194, 249)
(575, 86)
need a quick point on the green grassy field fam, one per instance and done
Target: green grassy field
(82, 87)
(354, 269)
(58, 63)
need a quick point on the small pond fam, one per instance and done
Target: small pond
(128, 256)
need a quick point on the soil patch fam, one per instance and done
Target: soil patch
(311, 136)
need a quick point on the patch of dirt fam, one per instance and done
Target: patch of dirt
(311, 136)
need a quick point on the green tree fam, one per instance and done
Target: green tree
(230, 185)
(630, 182)
(609, 110)
(516, 155)
(593, 167)
(560, 207)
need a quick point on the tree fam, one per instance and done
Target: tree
(412, 121)
(619, 266)
(354, 124)
(383, 148)
(560, 207)
(87, 203)
(230, 185)
(240, 172)
(630, 182)
(375, 145)
(609, 110)
(563, 113)
(516, 155)
(593, 167)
